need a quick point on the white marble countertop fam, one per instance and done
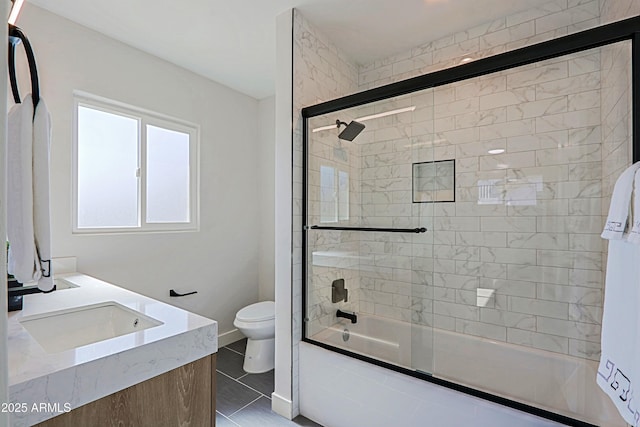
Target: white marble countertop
(72, 378)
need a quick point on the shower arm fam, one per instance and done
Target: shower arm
(387, 230)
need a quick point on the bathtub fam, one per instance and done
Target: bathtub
(558, 383)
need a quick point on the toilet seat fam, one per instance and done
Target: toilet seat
(258, 312)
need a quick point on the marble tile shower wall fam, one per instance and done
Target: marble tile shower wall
(551, 20)
(320, 72)
(535, 244)
(616, 105)
(577, 331)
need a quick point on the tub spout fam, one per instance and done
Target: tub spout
(348, 315)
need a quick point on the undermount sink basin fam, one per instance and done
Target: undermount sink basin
(63, 330)
(63, 284)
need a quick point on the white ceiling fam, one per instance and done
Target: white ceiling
(233, 41)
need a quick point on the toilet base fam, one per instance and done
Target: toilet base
(259, 356)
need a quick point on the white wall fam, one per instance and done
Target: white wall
(266, 176)
(282, 396)
(221, 260)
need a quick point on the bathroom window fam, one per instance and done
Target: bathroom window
(334, 195)
(133, 170)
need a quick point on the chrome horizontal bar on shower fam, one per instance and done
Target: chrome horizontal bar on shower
(387, 230)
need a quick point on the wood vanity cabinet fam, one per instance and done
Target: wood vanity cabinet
(185, 396)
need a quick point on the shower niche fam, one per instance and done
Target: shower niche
(465, 215)
(434, 181)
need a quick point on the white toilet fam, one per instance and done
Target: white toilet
(258, 323)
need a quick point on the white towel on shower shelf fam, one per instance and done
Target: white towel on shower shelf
(619, 369)
(619, 209)
(28, 220)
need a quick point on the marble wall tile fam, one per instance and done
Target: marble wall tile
(570, 85)
(491, 239)
(537, 12)
(479, 87)
(538, 141)
(508, 224)
(588, 278)
(584, 349)
(488, 270)
(569, 329)
(583, 100)
(509, 287)
(513, 96)
(538, 75)
(582, 12)
(455, 280)
(459, 311)
(508, 319)
(522, 159)
(543, 107)
(535, 273)
(508, 256)
(569, 294)
(569, 120)
(538, 240)
(509, 129)
(584, 136)
(548, 342)
(585, 313)
(571, 224)
(556, 207)
(555, 309)
(569, 259)
(501, 37)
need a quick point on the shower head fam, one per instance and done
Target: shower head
(352, 130)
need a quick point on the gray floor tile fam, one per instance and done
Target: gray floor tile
(239, 346)
(261, 382)
(230, 363)
(259, 413)
(305, 422)
(231, 395)
(222, 421)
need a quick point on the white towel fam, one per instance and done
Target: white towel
(619, 368)
(41, 191)
(619, 209)
(634, 234)
(28, 222)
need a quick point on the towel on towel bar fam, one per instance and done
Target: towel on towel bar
(619, 369)
(28, 219)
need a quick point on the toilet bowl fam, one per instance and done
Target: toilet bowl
(258, 323)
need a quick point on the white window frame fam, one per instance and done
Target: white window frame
(144, 118)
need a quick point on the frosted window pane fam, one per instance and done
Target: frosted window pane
(328, 199)
(343, 196)
(107, 165)
(167, 175)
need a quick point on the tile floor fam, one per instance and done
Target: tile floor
(244, 400)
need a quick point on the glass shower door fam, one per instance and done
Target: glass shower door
(362, 231)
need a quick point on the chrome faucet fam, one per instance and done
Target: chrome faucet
(348, 315)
